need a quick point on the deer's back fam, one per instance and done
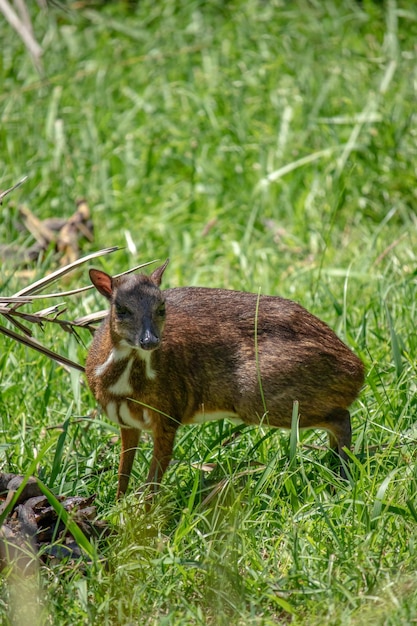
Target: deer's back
(229, 344)
(238, 322)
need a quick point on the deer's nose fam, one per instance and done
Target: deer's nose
(149, 341)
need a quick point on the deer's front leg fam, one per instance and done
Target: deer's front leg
(163, 444)
(130, 440)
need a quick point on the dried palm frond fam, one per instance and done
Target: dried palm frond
(54, 276)
(33, 343)
(10, 309)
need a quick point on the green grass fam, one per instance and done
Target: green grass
(261, 146)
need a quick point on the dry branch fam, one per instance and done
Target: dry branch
(62, 234)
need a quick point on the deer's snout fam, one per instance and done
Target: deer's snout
(149, 341)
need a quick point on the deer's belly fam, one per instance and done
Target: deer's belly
(120, 413)
(208, 416)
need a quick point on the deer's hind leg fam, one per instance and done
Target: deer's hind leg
(340, 435)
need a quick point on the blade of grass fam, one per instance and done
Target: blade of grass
(379, 503)
(258, 369)
(59, 450)
(294, 434)
(395, 344)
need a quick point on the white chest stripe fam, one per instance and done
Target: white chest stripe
(146, 356)
(128, 420)
(122, 353)
(122, 386)
(147, 418)
(115, 355)
(111, 412)
(100, 369)
(120, 414)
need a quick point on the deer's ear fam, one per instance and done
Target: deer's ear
(102, 282)
(156, 275)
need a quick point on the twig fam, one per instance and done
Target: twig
(3, 194)
(389, 248)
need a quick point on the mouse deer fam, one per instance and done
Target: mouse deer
(163, 358)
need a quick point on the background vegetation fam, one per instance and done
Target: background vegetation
(261, 145)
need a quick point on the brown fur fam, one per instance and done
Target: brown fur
(204, 359)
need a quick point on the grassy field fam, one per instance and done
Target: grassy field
(260, 145)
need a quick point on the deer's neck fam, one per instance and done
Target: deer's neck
(120, 360)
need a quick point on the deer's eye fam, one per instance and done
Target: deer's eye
(161, 311)
(121, 310)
